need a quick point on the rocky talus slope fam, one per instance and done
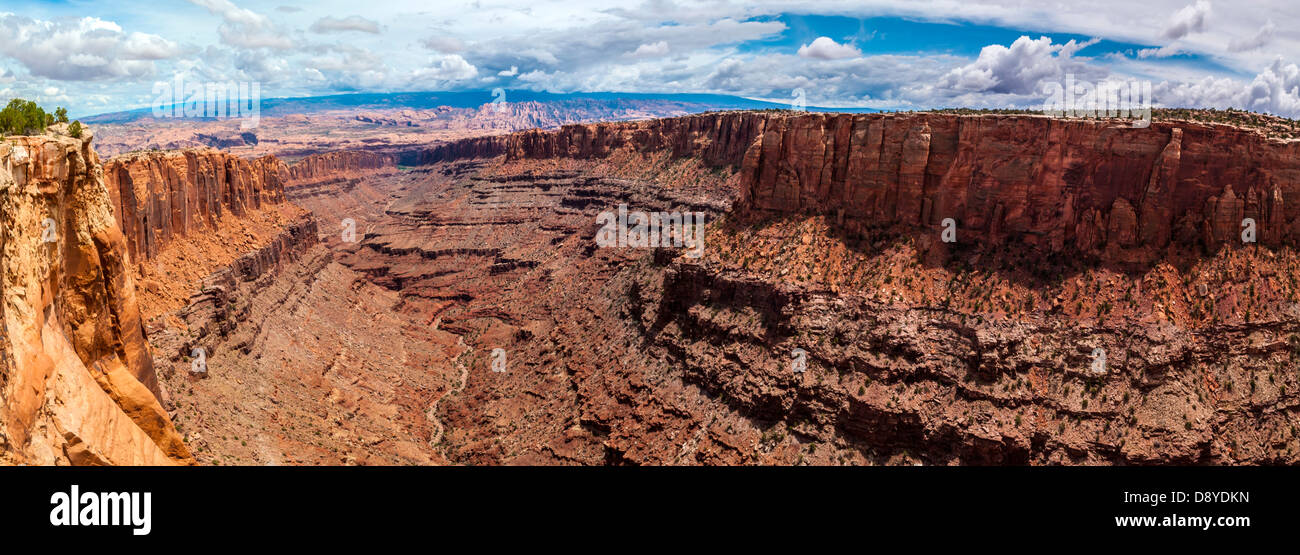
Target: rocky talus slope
(1098, 305)
(77, 381)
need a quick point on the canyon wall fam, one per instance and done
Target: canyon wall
(477, 147)
(334, 166)
(1097, 187)
(77, 382)
(161, 195)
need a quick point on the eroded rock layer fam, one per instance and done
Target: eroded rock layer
(159, 196)
(986, 355)
(1097, 187)
(77, 382)
(334, 166)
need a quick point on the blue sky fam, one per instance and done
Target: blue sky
(104, 56)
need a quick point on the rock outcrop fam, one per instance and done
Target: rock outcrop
(77, 383)
(641, 356)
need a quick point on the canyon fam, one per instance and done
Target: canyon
(449, 304)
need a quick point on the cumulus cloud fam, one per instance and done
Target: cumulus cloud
(513, 71)
(1259, 40)
(650, 50)
(1190, 19)
(1274, 90)
(357, 23)
(84, 49)
(1021, 68)
(824, 48)
(451, 67)
(245, 28)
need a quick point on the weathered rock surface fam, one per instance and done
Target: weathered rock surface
(1099, 188)
(159, 196)
(77, 382)
(335, 166)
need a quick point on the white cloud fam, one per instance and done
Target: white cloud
(1274, 90)
(1021, 68)
(1161, 52)
(650, 50)
(824, 48)
(84, 49)
(1261, 39)
(350, 23)
(1190, 19)
(513, 71)
(244, 28)
(451, 67)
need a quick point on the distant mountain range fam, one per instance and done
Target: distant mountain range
(272, 107)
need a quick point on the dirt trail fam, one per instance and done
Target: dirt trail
(436, 438)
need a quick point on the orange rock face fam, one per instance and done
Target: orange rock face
(337, 165)
(77, 383)
(159, 196)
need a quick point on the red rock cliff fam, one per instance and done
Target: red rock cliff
(337, 165)
(1097, 187)
(77, 383)
(161, 195)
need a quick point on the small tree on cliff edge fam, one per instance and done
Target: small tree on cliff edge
(74, 130)
(61, 115)
(23, 117)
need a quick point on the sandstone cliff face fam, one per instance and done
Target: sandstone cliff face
(477, 147)
(159, 196)
(1095, 187)
(77, 383)
(337, 166)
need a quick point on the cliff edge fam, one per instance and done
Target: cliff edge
(77, 383)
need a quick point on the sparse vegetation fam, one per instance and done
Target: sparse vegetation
(23, 117)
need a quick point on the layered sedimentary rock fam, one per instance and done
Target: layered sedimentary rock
(334, 175)
(77, 382)
(159, 196)
(477, 147)
(162, 195)
(1097, 187)
(645, 356)
(337, 165)
(717, 139)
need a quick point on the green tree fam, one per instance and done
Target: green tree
(61, 114)
(74, 130)
(23, 117)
